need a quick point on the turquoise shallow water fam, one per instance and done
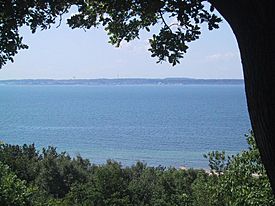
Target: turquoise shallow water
(161, 125)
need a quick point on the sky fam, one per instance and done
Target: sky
(63, 53)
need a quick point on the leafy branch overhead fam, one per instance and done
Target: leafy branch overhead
(122, 19)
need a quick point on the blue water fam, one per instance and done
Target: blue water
(161, 125)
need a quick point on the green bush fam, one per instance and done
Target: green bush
(13, 191)
(236, 180)
(49, 178)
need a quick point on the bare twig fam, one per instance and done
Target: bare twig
(163, 20)
(60, 21)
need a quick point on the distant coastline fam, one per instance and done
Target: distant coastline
(124, 81)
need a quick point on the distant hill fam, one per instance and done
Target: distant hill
(126, 81)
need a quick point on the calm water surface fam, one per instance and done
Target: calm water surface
(161, 125)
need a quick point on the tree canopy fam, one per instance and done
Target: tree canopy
(123, 20)
(44, 178)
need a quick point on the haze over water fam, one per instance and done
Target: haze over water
(161, 125)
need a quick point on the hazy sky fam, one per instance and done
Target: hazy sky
(63, 53)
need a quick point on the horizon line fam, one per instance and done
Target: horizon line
(123, 78)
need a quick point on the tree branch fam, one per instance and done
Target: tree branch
(163, 20)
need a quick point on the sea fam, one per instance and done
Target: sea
(167, 125)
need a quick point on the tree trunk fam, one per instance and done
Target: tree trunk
(253, 24)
